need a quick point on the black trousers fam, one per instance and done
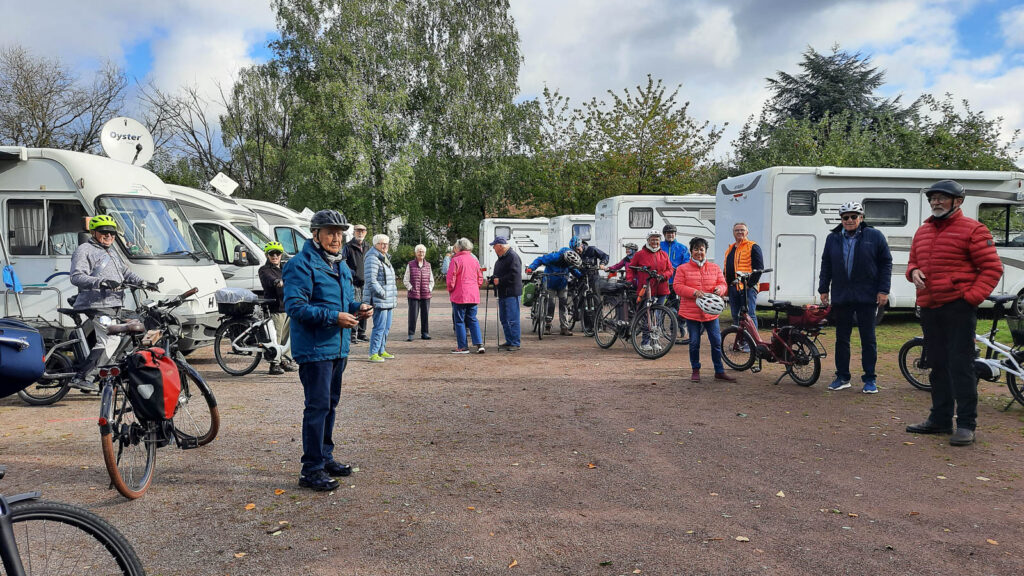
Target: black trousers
(421, 308)
(949, 335)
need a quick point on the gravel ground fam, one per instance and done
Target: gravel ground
(559, 459)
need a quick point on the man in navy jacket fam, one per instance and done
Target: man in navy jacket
(857, 266)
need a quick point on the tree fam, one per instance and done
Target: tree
(43, 104)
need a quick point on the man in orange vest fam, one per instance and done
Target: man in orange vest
(742, 256)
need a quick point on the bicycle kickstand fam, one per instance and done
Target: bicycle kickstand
(779, 379)
(1007, 407)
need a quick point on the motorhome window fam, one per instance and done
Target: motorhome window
(885, 212)
(148, 227)
(253, 233)
(286, 236)
(210, 236)
(66, 219)
(231, 241)
(505, 231)
(1005, 221)
(642, 218)
(26, 227)
(802, 203)
(581, 230)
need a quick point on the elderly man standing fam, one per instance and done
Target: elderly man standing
(743, 255)
(856, 267)
(319, 298)
(419, 283)
(954, 266)
(508, 283)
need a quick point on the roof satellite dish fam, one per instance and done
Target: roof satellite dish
(224, 184)
(306, 213)
(128, 141)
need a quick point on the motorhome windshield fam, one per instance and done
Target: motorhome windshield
(253, 233)
(150, 227)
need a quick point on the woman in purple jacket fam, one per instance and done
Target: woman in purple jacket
(419, 282)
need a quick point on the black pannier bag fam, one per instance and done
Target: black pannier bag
(153, 384)
(22, 356)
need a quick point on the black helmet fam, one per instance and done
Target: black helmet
(668, 228)
(326, 218)
(947, 187)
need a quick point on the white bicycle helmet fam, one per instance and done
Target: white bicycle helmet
(711, 304)
(571, 258)
(848, 207)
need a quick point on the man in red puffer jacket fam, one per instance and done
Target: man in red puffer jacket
(954, 265)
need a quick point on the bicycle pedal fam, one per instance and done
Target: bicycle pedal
(188, 442)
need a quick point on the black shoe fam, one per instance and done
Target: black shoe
(409, 339)
(929, 427)
(362, 338)
(425, 337)
(84, 385)
(319, 481)
(289, 366)
(335, 469)
(962, 437)
(276, 370)
(512, 348)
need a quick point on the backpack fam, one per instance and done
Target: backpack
(153, 384)
(21, 356)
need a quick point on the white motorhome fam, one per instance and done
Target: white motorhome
(622, 219)
(791, 210)
(528, 237)
(46, 197)
(230, 233)
(281, 223)
(561, 229)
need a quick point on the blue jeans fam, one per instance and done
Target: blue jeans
(734, 304)
(321, 383)
(695, 328)
(844, 315)
(381, 328)
(508, 313)
(464, 316)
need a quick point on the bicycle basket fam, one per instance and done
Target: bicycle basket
(1016, 325)
(236, 301)
(812, 316)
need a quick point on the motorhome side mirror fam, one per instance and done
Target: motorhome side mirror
(241, 256)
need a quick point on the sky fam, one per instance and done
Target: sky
(720, 52)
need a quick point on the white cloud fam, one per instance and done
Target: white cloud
(1011, 24)
(714, 38)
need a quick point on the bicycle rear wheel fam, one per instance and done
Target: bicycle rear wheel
(55, 539)
(805, 368)
(43, 392)
(540, 315)
(231, 360)
(1016, 387)
(654, 331)
(129, 446)
(737, 348)
(197, 415)
(914, 364)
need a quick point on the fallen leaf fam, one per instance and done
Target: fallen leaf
(914, 513)
(780, 494)
(852, 515)
(591, 465)
(940, 477)
(513, 564)
(982, 478)
(470, 508)
(716, 539)
(282, 522)
(605, 563)
(714, 493)
(279, 491)
(250, 506)
(637, 571)
(742, 539)
(658, 433)
(239, 554)
(689, 531)
(630, 429)
(992, 542)
(908, 443)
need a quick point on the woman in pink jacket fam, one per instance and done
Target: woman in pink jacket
(464, 281)
(693, 280)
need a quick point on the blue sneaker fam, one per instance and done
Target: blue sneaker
(839, 384)
(870, 387)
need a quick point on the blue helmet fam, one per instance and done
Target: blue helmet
(574, 242)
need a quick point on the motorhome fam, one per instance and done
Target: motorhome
(791, 210)
(528, 237)
(230, 233)
(622, 219)
(561, 229)
(46, 198)
(281, 223)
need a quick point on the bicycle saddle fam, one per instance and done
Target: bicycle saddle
(780, 304)
(1002, 298)
(130, 327)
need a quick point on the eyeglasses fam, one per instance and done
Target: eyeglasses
(940, 198)
(850, 217)
(274, 253)
(106, 233)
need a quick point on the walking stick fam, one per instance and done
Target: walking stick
(487, 308)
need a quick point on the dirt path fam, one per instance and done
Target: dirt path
(560, 459)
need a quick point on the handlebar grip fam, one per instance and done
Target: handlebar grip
(190, 292)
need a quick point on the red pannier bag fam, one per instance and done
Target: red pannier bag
(153, 384)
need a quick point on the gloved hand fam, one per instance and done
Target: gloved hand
(152, 286)
(109, 284)
(529, 271)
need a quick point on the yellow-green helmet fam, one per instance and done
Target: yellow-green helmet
(273, 247)
(103, 223)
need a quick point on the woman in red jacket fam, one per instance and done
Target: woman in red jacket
(653, 257)
(693, 280)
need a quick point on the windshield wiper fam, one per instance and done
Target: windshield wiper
(192, 254)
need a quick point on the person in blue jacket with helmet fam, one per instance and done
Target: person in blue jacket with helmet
(558, 265)
(678, 253)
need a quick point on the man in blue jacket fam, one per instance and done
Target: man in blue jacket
(857, 266)
(558, 271)
(678, 253)
(319, 298)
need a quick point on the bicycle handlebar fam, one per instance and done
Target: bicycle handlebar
(649, 271)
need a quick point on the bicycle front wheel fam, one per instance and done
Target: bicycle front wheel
(197, 415)
(232, 360)
(737, 348)
(654, 331)
(914, 364)
(805, 366)
(129, 448)
(606, 329)
(55, 539)
(43, 392)
(589, 309)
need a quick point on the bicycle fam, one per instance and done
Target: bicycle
(998, 359)
(129, 441)
(539, 311)
(636, 317)
(41, 537)
(795, 345)
(245, 336)
(583, 300)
